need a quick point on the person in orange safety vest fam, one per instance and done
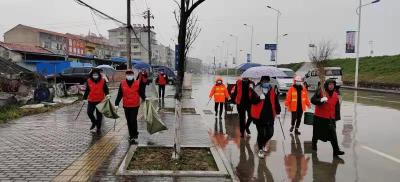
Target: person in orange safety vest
(220, 94)
(297, 102)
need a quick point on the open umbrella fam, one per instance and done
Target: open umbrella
(107, 69)
(140, 65)
(258, 72)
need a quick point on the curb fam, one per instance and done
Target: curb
(372, 90)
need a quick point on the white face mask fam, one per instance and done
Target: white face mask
(265, 90)
(298, 83)
(129, 77)
(95, 76)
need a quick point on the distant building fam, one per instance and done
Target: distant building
(163, 55)
(62, 44)
(194, 65)
(76, 45)
(25, 35)
(139, 51)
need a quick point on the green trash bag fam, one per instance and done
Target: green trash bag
(107, 109)
(309, 118)
(154, 123)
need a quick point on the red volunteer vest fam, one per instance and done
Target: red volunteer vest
(328, 110)
(257, 108)
(239, 91)
(96, 93)
(142, 78)
(130, 95)
(162, 80)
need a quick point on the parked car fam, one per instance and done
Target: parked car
(75, 75)
(311, 79)
(168, 71)
(284, 83)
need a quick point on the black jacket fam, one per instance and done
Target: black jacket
(266, 112)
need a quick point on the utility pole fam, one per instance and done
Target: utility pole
(149, 27)
(128, 35)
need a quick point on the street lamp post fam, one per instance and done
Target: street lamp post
(252, 39)
(236, 49)
(359, 38)
(277, 32)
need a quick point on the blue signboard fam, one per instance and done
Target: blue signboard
(270, 46)
(176, 57)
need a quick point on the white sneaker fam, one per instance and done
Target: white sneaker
(261, 154)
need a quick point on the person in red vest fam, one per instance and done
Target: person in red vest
(241, 96)
(264, 108)
(220, 94)
(297, 102)
(96, 91)
(130, 92)
(143, 78)
(327, 112)
(161, 80)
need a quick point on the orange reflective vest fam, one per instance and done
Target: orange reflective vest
(291, 99)
(96, 93)
(220, 93)
(328, 109)
(130, 94)
(256, 109)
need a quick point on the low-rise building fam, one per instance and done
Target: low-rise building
(26, 35)
(139, 42)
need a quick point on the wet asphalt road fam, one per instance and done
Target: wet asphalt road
(370, 137)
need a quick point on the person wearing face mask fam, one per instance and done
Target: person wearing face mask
(241, 94)
(96, 91)
(130, 92)
(220, 94)
(297, 102)
(327, 112)
(264, 108)
(161, 80)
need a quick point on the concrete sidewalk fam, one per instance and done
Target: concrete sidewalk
(52, 146)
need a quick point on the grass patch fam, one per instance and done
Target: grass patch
(11, 112)
(292, 66)
(160, 158)
(378, 71)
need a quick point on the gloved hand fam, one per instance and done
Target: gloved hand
(108, 96)
(324, 99)
(262, 96)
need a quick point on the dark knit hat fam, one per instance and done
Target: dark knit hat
(265, 78)
(129, 71)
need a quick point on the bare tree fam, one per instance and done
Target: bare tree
(188, 32)
(319, 55)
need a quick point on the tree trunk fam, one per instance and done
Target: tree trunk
(179, 83)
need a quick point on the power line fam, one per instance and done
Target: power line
(94, 21)
(107, 17)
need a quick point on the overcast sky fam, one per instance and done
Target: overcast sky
(305, 21)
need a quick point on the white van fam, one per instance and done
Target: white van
(311, 78)
(284, 83)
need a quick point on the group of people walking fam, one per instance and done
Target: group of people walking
(132, 93)
(260, 103)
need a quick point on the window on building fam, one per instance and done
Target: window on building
(121, 40)
(70, 49)
(137, 53)
(75, 50)
(70, 42)
(136, 47)
(121, 33)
